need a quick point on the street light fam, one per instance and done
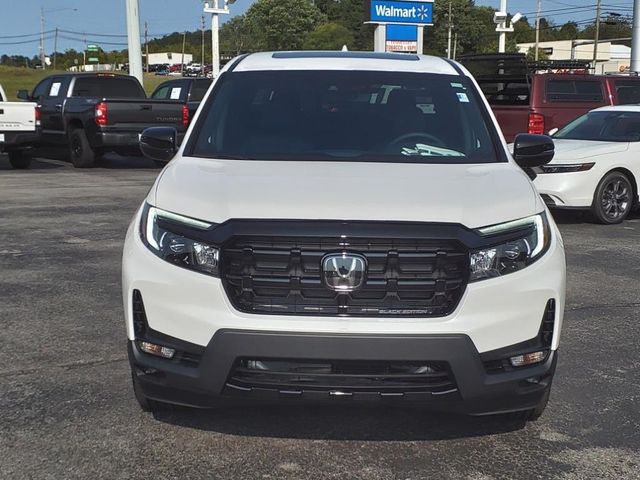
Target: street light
(500, 19)
(42, 12)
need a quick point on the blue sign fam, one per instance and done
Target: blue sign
(402, 33)
(418, 13)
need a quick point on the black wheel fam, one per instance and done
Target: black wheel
(82, 156)
(613, 199)
(146, 404)
(19, 159)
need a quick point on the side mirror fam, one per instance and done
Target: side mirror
(23, 95)
(532, 150)
(159, 143)
(553, 131)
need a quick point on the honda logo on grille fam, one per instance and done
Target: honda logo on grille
(344, 272)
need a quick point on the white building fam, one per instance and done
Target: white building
(171, 58)
(611, 58)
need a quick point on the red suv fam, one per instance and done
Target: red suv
(537, 97)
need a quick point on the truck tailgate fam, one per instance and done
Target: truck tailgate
(513, 119)
(137, 114)
(17, 117)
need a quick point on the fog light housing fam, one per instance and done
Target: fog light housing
(157, 350)
(528, 358)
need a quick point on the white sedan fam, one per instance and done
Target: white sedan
(596, 164)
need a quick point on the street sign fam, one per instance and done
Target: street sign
(416, 13)
(92, 48)
(401, 38)
(93, 59)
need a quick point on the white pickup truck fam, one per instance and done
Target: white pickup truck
(18, 121)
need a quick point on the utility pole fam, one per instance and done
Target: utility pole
(455, 44)
(133, 40)
(55, 48)
(595, 43)
(538, 28)
(449, 34)
(42, 54)
(184, 38)
(202, 57)
(146, 44)
(635, 38)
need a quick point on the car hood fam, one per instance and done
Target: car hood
(219, 190)
(567, 151)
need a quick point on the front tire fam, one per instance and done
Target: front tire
(82, 156)
(613, 199)
(19, 160)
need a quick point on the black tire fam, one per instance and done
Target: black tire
(146, 404)
(19, 159)
(82, 156)
(613, 199)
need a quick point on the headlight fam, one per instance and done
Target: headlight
(530, 238)
(576, 167)
(167, 235)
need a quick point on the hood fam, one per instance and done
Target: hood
(568, 151)
(219, 190)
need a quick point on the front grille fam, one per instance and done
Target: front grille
(341, 375)
(283, 275)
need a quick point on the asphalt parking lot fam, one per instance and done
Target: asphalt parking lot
(67, 409)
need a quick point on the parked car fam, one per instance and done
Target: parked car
(597, 164)
(92, 114)
(538, 97)
(18, 121)
(344, 225)
(186, 90)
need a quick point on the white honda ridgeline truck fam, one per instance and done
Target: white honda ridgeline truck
(344, 225)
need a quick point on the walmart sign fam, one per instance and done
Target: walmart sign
(417, 13)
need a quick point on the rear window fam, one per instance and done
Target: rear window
(345, 116)
(628, 91)
(571, 90)
(198, 91)
(506, 92)
(108, 87)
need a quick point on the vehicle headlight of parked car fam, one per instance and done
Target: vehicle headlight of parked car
(576, 167)
(171, 237)
(514, 255)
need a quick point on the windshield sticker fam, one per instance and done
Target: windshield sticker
(457, 85)
(175, 93)
(462, 97)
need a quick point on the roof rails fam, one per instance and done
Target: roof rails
(343, 54)
(517, 65)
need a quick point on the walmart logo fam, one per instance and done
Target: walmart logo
(423, 12)
(401, 12)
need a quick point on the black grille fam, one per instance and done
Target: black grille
(341, 375)
(283, 275)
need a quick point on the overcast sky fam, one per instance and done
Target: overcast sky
(22, 17)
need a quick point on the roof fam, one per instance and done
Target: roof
(619, 108)
(338, 60)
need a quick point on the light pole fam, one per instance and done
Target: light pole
(635, 38)
(43, 56)
(214, 9)
(133, 39)
(500, 19)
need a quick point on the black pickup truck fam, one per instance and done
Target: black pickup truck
(188, 90)
(96, 113)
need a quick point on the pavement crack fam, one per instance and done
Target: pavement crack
(68, 365)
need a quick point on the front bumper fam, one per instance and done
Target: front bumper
(476, 391)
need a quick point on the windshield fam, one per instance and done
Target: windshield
(344, 115)
(603, 126)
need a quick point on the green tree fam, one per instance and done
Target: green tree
(282, 24)
(235, 37)
(329, 36)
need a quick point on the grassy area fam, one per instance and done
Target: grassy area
(13, 79)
